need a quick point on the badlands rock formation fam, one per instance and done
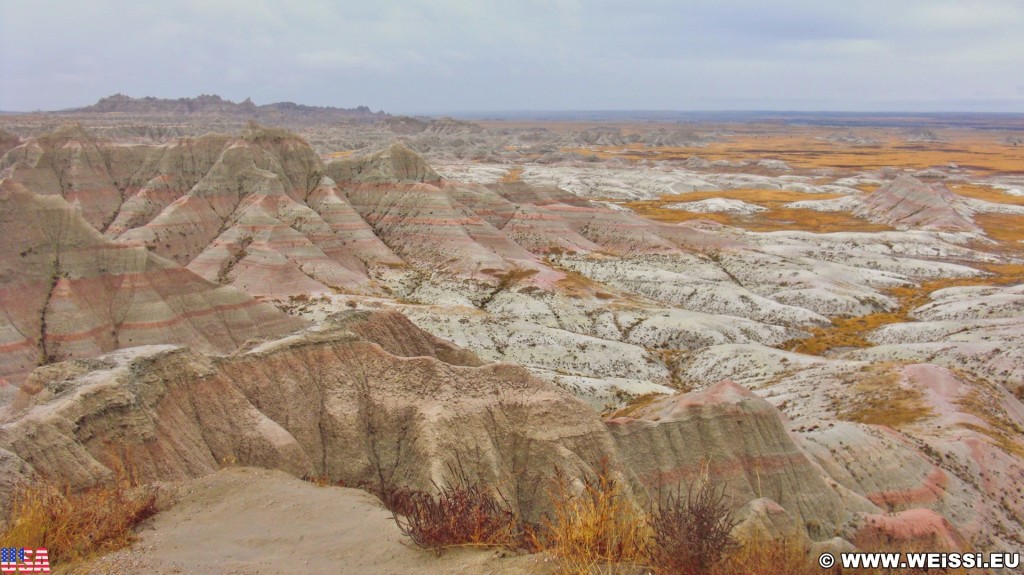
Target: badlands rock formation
(367, 398)
(7, 141)
(911, 430)
(176, 413)
(68, 292)
(907, 203)
(217, 107)
(713, 205)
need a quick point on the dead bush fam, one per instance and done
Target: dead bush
(465, 513)
(691, 534)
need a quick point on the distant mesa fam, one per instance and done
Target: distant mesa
(214, 105)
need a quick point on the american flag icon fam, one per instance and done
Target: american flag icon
(24, 560)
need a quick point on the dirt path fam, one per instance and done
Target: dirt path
(255, 521)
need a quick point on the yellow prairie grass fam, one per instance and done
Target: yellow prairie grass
(75, 525)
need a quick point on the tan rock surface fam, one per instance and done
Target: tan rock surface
(247, 520)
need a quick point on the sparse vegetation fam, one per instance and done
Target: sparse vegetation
(464, 513)
(634, 404)
(880, 399)
(777, 218)
(1001, 428)
(810, 148)
(853, 331)
(692, 534)
(76, 525)
(513, 174)
(596, 529)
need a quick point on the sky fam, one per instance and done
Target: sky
(450, 56)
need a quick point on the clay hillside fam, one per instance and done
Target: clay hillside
(834, 353)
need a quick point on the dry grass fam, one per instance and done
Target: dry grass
(77, 525)
(692, 535)
(878, 398)
(776, 219)
(847, 332)
(462, 515)
(1002, 429)
(598, 530)
(770, 557)
(513, 174)
(635, 404)
(987, 193)
(1001, 227)
(808, 148)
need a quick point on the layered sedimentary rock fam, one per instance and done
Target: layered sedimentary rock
(70, 163)
(395, 164)
(908, 203)
(234, 209)
(69, 292)
(328, 403)
(367, 398)
(743, 444)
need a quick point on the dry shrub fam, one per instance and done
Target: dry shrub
(75, 525)
(692, 534)
(596, 531)
(465, 513)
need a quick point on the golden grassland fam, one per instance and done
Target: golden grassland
(1005, 228)
(987, 193)
(809, 148)
(778, 218)
(847, 332)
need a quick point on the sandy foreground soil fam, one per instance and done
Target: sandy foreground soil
(260, 522)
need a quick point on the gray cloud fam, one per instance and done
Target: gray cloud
(452, 55)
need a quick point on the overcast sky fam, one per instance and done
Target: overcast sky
(492, 55)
